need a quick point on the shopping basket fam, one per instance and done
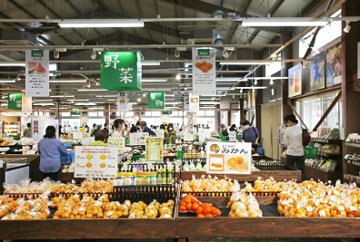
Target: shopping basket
(222, 137)
(67, 159)
(310, 152)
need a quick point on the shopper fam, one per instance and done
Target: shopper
(224, 131)
(93, 128)
(233, 128)
(294, 143)
(95, 131)
(250, 134)
(136, 128)
(125, 131)
(100, 139)
(207, 126)
(50, 150)
(214, 137)
(118, 125)
(27, 131)
(86, 129)
(106, 127)
(171, 133)
(146, 129)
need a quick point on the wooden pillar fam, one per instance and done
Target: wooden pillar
(57, 114)
(242, 111)
(350, 97)
(285, 54)
(107, 114)
(258, 102)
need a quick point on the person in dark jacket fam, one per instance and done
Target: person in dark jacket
(224, 131)
(250, 134)
(146, 129)
(134, 128)
(233, 128)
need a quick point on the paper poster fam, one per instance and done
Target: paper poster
(116, 142)
(154, 149)
(295, 80)
(122, 103)
(204, 76)
(138, 138)
(202, 135)
(96, 162)
(333, 65)
(232, 136)
(27, 105)
(228, 158)
(194, 103)
(188, 136)
(37, 73)
(38, 127)
(317, 73)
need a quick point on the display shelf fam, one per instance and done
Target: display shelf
(352, 162)
(351, 144)
(316, 174)
(327, 155)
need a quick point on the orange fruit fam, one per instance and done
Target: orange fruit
(232, 162)
(194, 206)
(200, 215)
(182, 208)
(189, 206)
(183, 203)
(206, 205)
(208, 216)
(240, 160)
(215, 211)
(187, 199)
(207, 210)
(199, 210)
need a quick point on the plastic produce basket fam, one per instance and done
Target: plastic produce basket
(310, 152)
(222, 137)
(67, 159)
(161, 193)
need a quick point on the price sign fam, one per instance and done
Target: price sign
(154, 149)
(116, 142)
(232, 136)
(138, 138)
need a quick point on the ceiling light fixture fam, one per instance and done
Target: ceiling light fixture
(347, 28)
(68, 81)
(144, 95)
(106, 95)
(139, 99)
(100, 23)
(58, 96)
(178, 77)
(250, 88)
(225, 54)
(239, 62)
(92, 90)
(93, 55)
(43, 100)
(255, 82)
(12, 63)
(152, 80)
(7, 81)
(271, 82)
(150, 63)
(283, 22)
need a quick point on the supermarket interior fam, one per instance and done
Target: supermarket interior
(223, 120)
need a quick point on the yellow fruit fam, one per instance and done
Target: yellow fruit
(102, 165)
(88, 165)
(103, 157)
(89, 156)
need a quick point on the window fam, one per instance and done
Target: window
(66, 114)
(153, 114)
(210, 113)
(200, 113)
(147, 114)
(174, 113)
(92, 114)
(273, 68)
(312, 109)
(100, 114)
(326, 34)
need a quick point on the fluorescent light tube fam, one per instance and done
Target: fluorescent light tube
(43, 104)
(62, 96)
(100, 23)
(7, 81)
(283, 22)
(78, 100)
(106, 95)
(169, 95)
(230, 79)
(150, 63)
(111, 100)
(92, 90)
(244, 63)
(249, 88)
(208, 102)
(68, 81)
(265, 78)
(12, 63)
(153, 80)
(85, 104)
(43, 100)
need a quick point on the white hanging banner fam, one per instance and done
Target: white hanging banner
(122, 104)
(37, 73)
(204, 76)
(193, 103)
(26, 105)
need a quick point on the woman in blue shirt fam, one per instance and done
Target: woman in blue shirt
(50, 150)
(250, 134)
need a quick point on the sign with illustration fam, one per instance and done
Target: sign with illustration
(228, 158)
(295, 80)
(138, 138)
(333, 65)
(121, 70)
(14, 101)
(156, 100)
(204, 77)
(96, 162)
(122, 103)
(154, 149)
(37, 73)
(317, 73)
(194, 101)
(116, 142)
(27, 105)
(232, 135)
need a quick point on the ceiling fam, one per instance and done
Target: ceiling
(50, 34)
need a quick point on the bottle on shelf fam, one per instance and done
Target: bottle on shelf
(169, 177)
(159, 178)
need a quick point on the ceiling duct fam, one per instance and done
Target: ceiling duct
(203, 36)
(21, 38)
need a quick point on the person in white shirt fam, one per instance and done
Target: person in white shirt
(294, 142)
(118, 124)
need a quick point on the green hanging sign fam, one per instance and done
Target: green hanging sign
(156, 100)
(15, 101)
(121, 71)
(75, 112)
(167, 112)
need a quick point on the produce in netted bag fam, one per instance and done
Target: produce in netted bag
(244, 206)
(189, 203)
(206, 210)
(207, 184)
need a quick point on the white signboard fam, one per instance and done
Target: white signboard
(26, 105)
(37, 73)
(116, 142)
(138, 138)
(188, 136)
(202, 135)
(228, 158)
(204, 76)
(232, 136)
(38, 127)
(122, 104)
(96, 162)
(194, 101)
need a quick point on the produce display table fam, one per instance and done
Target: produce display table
(34, 160)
